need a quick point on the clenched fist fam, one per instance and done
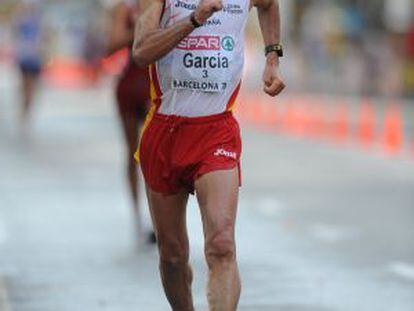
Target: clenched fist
(273, 83)
(206, 8)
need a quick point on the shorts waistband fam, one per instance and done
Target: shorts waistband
(191, 120)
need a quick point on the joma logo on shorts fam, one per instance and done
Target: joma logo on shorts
(225, 153)
(200, 43)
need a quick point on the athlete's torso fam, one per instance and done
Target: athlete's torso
(202, 75)
(29, 37)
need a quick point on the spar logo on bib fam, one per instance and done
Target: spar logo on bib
(207, 43)
(199, 43)
(228, 43)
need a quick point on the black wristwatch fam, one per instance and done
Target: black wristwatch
(193, 20)
(278, 48)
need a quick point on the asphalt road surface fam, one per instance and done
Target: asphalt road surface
(320, 228)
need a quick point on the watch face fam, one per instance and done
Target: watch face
(274, 48)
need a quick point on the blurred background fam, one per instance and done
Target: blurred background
(333, 46)
(327, 204)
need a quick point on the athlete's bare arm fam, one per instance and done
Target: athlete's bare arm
(151, 42)
(269, 18)
(119, 34)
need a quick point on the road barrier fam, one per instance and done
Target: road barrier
(363, 123)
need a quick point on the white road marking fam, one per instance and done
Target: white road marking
(402, 269)
(4, 297)
(332, 234)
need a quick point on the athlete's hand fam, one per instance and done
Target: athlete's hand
(273, 83)
(206, 8)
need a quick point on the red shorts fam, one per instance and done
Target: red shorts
(176, 151)
(132, 93)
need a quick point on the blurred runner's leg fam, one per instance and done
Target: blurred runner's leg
(29, 81)
(132, 99)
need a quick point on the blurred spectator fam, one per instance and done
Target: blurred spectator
(92, 50)
(29, 47)
(409, 74)
(350, 46)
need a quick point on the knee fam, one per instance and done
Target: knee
(221, 248)
(173, 255)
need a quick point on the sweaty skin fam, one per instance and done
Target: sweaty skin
(217, 192)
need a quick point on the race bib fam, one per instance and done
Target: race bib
(203, 63)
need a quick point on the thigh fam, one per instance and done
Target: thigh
(217, 194)
(168, 213)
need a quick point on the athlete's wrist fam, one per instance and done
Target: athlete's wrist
(201, 15)
(272, 59)
(195, 21)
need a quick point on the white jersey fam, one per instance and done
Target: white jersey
(201, 76)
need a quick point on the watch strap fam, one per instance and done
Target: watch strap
(278, 48)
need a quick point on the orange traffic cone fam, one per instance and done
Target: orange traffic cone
(265, 120)
(393, 130)
(272, 116)
(258, 111)
(340, 129)
(307, 119)
(366, 126)
(301, 119)
(249, 109)
(319, 120)
(291, 118)
(287, 117)
(311, 120)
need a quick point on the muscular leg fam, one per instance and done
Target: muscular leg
(131, 126)
(169, 218)
(217, 195)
